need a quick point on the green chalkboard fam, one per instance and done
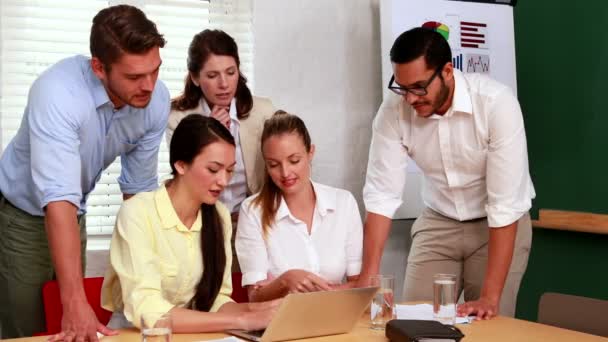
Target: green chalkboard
(564, 262)
(562, 80)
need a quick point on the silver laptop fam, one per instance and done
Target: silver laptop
(304, 315)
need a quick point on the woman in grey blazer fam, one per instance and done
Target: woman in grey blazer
(216, 87)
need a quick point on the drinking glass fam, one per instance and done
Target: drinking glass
(444, 298)
(383, 304)
(156, 327)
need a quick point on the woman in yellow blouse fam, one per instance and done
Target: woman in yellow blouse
(170, 249)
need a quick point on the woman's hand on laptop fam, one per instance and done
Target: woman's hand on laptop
(297, 281)
(255, 316)
(255, 320)
(351, 282)
(267, 305)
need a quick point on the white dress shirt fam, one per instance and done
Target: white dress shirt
(474, 157)
(332, 250)
(233, 195)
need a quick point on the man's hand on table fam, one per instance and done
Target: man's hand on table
(483, 308)
(79, 323)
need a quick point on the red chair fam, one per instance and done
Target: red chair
(239, 293)
(53, 310)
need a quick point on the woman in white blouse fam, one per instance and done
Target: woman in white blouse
(296, 235)
(215, 87)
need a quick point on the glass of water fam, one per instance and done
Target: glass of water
(444, 298)
(383, 304)
(156, 327)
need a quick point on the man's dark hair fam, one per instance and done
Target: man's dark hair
(419, 41)
(122, 29)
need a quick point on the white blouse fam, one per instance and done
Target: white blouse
(236, 191)
(332, 250)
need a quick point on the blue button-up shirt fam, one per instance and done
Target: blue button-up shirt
(71, 132)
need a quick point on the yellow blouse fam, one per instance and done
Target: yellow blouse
(155, 261)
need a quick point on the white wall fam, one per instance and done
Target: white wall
(320, 59)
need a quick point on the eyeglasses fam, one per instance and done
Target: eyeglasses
(418, 91)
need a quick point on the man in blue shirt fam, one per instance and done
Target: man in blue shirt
(81, 114)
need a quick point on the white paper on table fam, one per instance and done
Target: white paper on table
(422, 312)
(374, 310)
(225, 339)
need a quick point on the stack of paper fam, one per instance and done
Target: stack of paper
(422, 312)
(225, 339)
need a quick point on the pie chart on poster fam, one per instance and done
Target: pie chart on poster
(439, 27)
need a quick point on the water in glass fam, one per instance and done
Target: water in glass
(444, 298)
(156, 335)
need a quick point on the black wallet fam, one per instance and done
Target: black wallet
(408, 330)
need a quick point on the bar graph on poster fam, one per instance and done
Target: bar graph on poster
(481, 36)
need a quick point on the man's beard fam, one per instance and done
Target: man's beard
(123, 99)
(443, 95)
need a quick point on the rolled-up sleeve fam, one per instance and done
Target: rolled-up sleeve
(386, 167)
(54, 142)
(137, 266)
(140, 165)
(354, 243)
(224, 296)
(509, 187)
(250, 245)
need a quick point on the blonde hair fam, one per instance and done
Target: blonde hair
(269, 198)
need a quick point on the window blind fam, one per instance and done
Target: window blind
(35, 34)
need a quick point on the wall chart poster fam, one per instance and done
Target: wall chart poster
(482, 39)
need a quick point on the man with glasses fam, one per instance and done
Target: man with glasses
(466, 133)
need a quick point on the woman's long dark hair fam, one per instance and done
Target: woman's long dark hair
(191, 136)
(204, 44)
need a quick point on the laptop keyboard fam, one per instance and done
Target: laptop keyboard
(257, 333)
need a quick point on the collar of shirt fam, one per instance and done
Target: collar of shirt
(326, 201)
(168, 216)
(100, 95)
(231, 111)
(461, 102)
(462, 98)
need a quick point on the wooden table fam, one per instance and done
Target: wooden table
(500, 329)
